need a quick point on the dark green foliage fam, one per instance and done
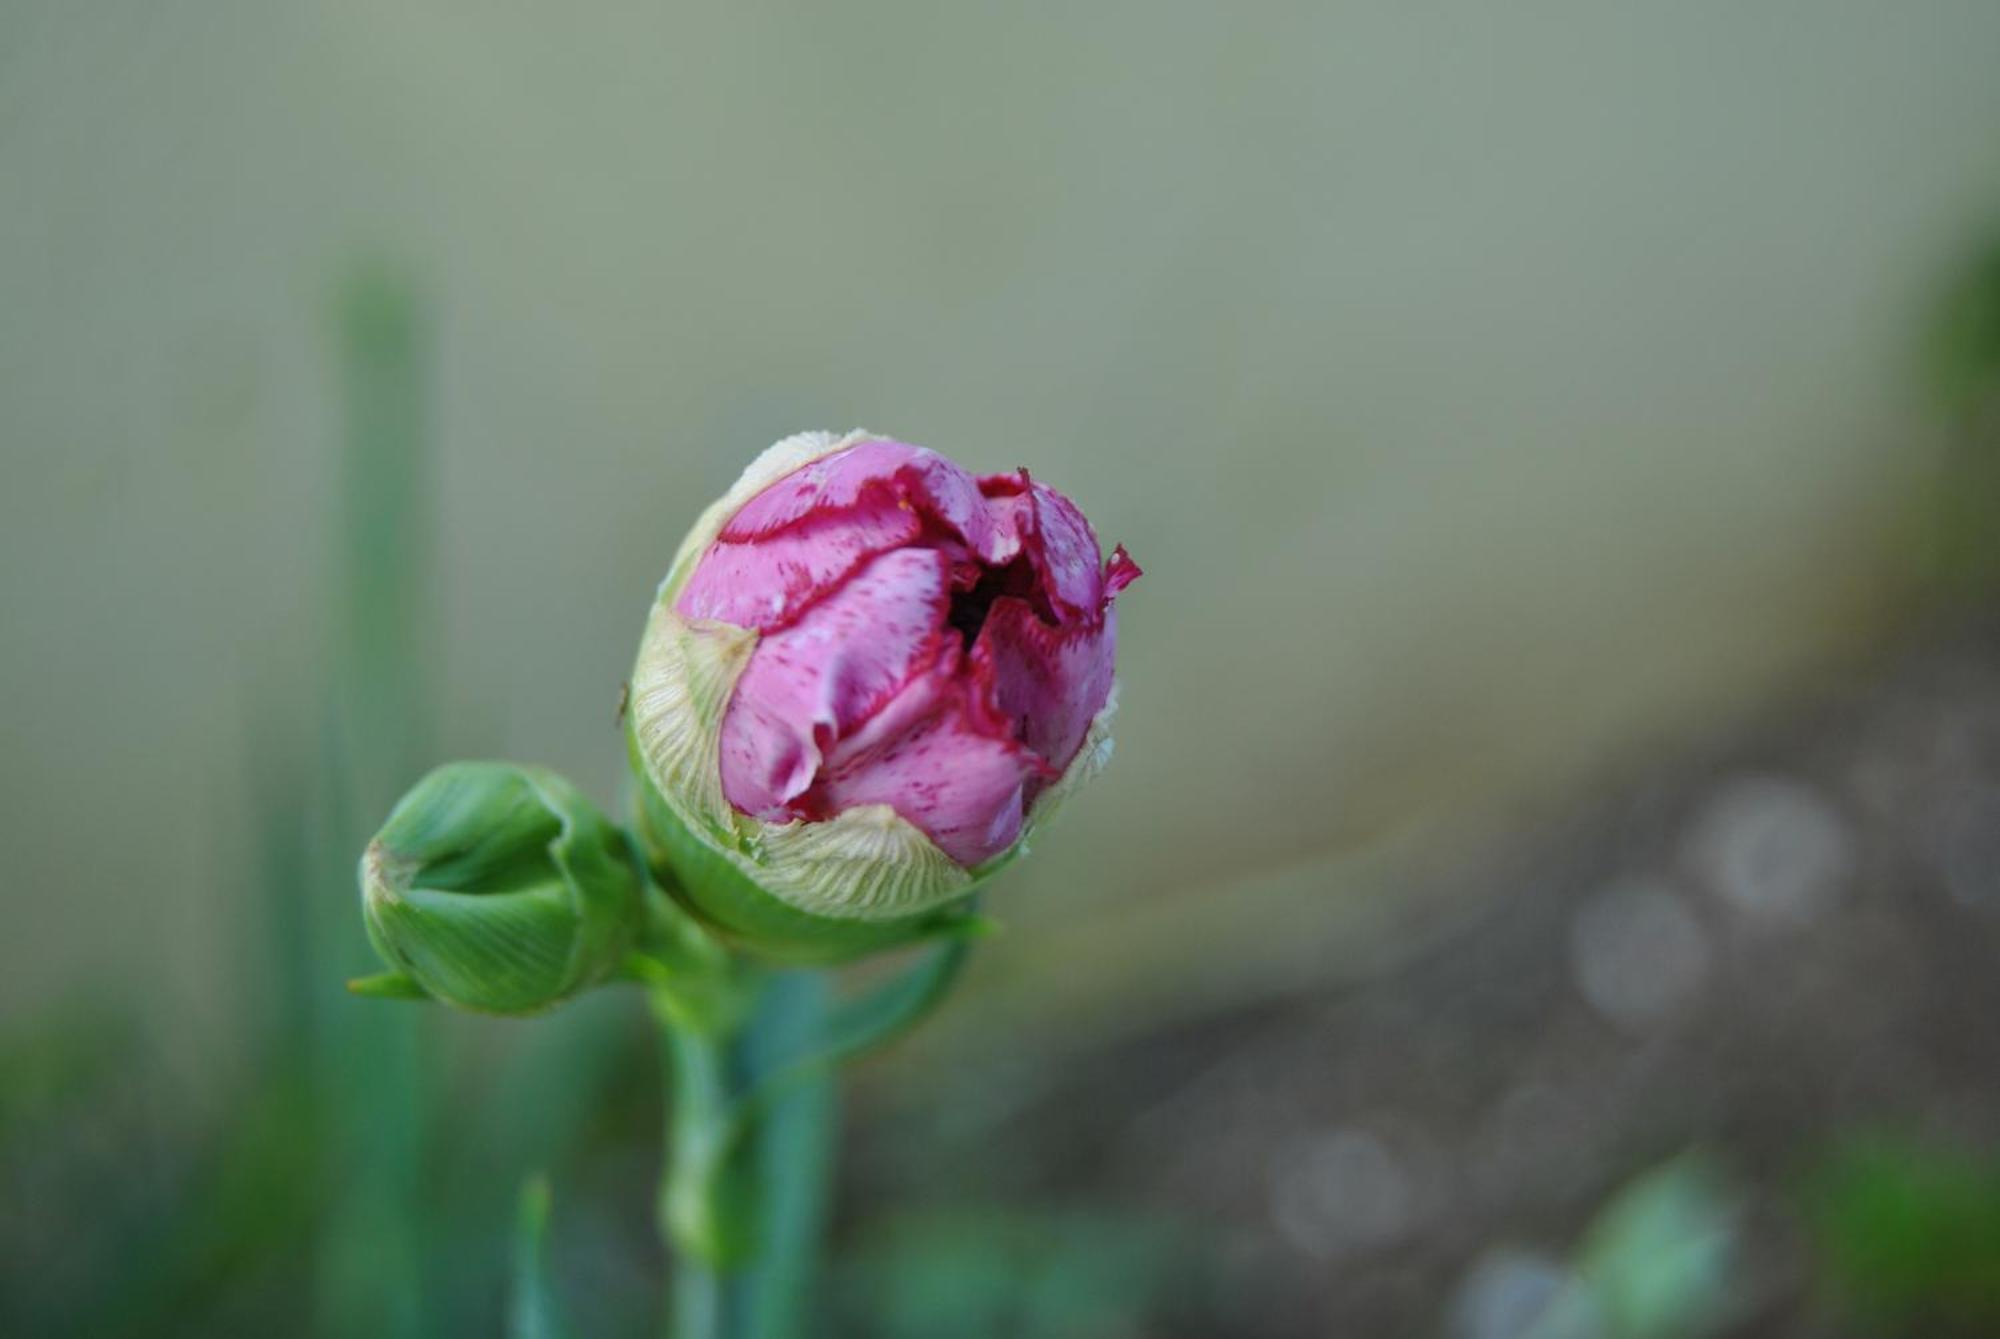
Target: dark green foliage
(1908, 1234)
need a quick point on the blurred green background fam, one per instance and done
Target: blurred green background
(1512, 406)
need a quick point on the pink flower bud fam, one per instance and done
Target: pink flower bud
(871, 671)
(928, 640)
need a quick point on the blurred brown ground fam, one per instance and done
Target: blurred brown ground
(1786, 933)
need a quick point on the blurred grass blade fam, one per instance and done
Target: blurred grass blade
(532, 1309)
(366, 1062)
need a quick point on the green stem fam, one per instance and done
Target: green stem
(742, 1205)
(752, 1057)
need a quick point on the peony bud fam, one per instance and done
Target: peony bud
(868, 676)
(500, 888)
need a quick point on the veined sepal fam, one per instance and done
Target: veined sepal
(499, 888)
(719, 893)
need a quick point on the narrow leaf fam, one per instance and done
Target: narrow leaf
(864, 1023)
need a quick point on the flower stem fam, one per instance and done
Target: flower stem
(743, 1201)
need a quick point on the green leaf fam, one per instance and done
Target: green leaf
(871, 1020)
(893, 1008)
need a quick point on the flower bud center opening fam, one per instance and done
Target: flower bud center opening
(971, 605)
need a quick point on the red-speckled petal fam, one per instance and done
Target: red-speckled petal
(810, 684)
(938, 757)
(884, 472)
(1120, 572)
(1010, 511)
(952, 499)
(1047, 681)
(831, 483)
(766, 583)
(1065, 555)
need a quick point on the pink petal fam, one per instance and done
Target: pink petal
(1065, 554)
(863, 570)
(1048, 681)
(830, 483)
(952, 498)
(938, 757)
(1010, 510)
(1120, 572)
(881, 471)
(764, 584)
(809, 684)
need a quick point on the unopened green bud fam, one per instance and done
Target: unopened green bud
(500, 888)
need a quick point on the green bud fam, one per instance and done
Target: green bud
(500, 888)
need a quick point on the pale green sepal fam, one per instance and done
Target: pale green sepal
(681, 684)
(716, 890)
(868, 863)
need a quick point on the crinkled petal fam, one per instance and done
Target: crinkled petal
(827, 484)
(887, 472)
(809, 684)
(1065, 554)
(832, 483)
(939, 757)
(772, 464)
(766, 583)
(1010, 511)
(951, 498)
(1120, 572)
(1047, 681)
(861, 563)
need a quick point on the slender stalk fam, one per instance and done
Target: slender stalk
(700, 1210)
(743, 1201)
(752, 1058)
